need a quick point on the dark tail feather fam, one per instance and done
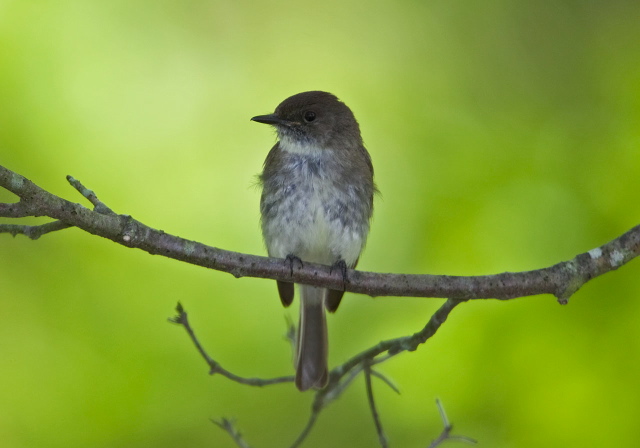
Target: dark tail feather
(311, 359)
(333, 300)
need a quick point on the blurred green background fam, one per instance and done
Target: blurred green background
(505, 136)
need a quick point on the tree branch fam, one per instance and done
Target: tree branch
(340, 377)
(214, 366)
(562, 279)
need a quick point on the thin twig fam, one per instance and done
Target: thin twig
(22, 209)
(446, 431)
(335, 388)
(397, 345)
(215, 366)
(33, 232)
(98, 205)
(306, 430)
(229, 426)
(386, 380)
(382, 437)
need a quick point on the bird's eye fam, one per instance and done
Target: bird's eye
(309, 116)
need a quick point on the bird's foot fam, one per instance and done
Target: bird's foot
(340, 266)
(290, 260)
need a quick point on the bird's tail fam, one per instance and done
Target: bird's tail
(312, 347)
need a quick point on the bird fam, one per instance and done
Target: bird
(316, 206)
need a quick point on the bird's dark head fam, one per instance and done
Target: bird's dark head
(316, 118)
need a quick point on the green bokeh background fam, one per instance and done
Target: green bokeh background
(505, 136)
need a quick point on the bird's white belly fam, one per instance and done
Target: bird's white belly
(302, 228)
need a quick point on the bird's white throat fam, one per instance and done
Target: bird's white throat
(296, 147)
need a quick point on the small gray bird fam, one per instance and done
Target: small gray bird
(317, 200)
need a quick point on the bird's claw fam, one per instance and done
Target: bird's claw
(341, 266)
(290, 260)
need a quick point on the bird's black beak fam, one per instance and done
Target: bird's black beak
(272, 119)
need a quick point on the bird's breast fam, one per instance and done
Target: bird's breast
(308, 212)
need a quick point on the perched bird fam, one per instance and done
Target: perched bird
(317, 200)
